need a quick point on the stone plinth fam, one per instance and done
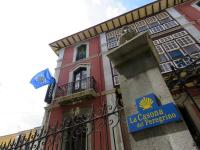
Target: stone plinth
(138, 65)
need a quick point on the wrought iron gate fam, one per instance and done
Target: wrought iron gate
(90, 131)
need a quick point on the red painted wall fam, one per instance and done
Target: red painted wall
(191, 13)
(96, 70)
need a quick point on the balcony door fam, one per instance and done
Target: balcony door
(79, 79)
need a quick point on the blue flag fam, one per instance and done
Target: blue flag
(42, 78)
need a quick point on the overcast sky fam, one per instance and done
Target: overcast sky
(26, 29)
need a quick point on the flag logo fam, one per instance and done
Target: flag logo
(42, 78)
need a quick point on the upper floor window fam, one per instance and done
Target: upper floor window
(163, 17)
(170, 24)
(81, 52)
(157, 29)
(185, 41)
(171, 45)
(166, 39)
(166, 67)
(179, 34)
(141, 25)
(152, 21)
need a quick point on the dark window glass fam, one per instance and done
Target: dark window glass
(175, 54)
(191, 49)
(143, 28)
(153, 24)
(165, 20)
(163, 58)
(198, 3)
(180, 63)
(81, 52)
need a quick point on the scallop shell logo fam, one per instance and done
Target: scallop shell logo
(146, 103)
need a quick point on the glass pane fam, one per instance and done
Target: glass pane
(175, 54)
(163, 58)
(84, 74)
(81, 52)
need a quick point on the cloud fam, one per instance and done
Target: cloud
(102, 10)
(27, 27)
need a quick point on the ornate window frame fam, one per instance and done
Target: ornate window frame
(76, 50)
(195, 5)
(82, 65)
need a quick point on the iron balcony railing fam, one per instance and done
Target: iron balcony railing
(76, 86)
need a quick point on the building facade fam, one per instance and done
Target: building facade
(87, 80)
(87, 111)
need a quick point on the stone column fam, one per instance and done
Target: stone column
(137, 63)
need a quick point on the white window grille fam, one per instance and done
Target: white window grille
(179, 34)
(141, 25)
(185, 41)
(170, 46)
(165, 39)
(159, 49)
(151, 20)
(156, 42)
(166, 67)
(163, 57)
(170, 24)
(191, 49)
(157, 29)
(133, 27)
(162, 15)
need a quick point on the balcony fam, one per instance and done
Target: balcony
(76, 91)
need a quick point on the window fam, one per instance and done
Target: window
(179, 34)
(180, 63)
(79, 79)
(163, 17)
(81, 51)
(157, 29)
(159, 49)
(166, 67)
(171, 45)
(191, 49)
(76, 138)
(170, 24)
(112, 42)
(156, 42)
(185, 41)
(165, 39)
(133, 28)
(195, 56)
(141, 25)
(163, 58)
(152, 21)
(112, 38)
(176, 54)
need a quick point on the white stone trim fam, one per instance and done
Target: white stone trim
(195, 5)
(75, 50)
(110, 97)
